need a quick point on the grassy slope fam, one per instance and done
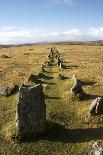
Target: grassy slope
(70, 129)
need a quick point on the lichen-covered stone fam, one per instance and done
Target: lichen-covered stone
(31, 110)
(96, 106)
(77, 87)
(8, 90)
(58, 61)
(4, 90)
(61, 65)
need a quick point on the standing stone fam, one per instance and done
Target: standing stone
(61, 65)
(33, 78)
(96, 106)
(52, 50)
(40, 75)
(77, 87)
(42, 68)
(31, 111)
(58, 62)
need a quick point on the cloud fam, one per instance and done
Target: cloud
(13, 35)
(95, 32)
(67, 2)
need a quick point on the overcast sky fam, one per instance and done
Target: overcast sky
(25, 21)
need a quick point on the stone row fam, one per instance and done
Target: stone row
(96, 107)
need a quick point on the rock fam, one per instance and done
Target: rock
(77, 87)
(96, 106)
(26, 53)
(4, 90)
(40, 75)
(61, 77)
(4, 56)
(42, 68)
(33, 78)
(96, 149)
(58, 62)
(31, 111)
(8, 90)
(1, 75)
(61, 65)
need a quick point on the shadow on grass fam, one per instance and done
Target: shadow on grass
(13, 91)
(89, 97)
(43, 82)
(88, 83)
(52, 97)
(50, 72)
(58, 133)
(70, 67)
(47, 77)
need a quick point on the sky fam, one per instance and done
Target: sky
(29, 21)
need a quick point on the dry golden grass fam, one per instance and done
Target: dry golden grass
(81, 130)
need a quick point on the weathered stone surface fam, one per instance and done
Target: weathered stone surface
(61, 65)
(40, 75)
(4, 90)
(8, 90)
(96, 149)
(1, 75)
(53, 58)
(96, 106)
(31, 110)
(58, 62)
(42, 67)
(77, 87)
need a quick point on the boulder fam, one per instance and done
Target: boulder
(96, 106)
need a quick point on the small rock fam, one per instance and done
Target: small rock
(4, 90)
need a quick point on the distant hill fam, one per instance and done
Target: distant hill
(94, 43)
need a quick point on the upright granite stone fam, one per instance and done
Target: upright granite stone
(77, 90)
(42, 67)
(31, 111)
(96, 106)
(58, 62)
(61, 65)
(77, 87)
(33, 78)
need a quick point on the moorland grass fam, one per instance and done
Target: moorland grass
(70, 130)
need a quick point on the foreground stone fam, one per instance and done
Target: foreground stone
(31, 111)
(96, 106)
